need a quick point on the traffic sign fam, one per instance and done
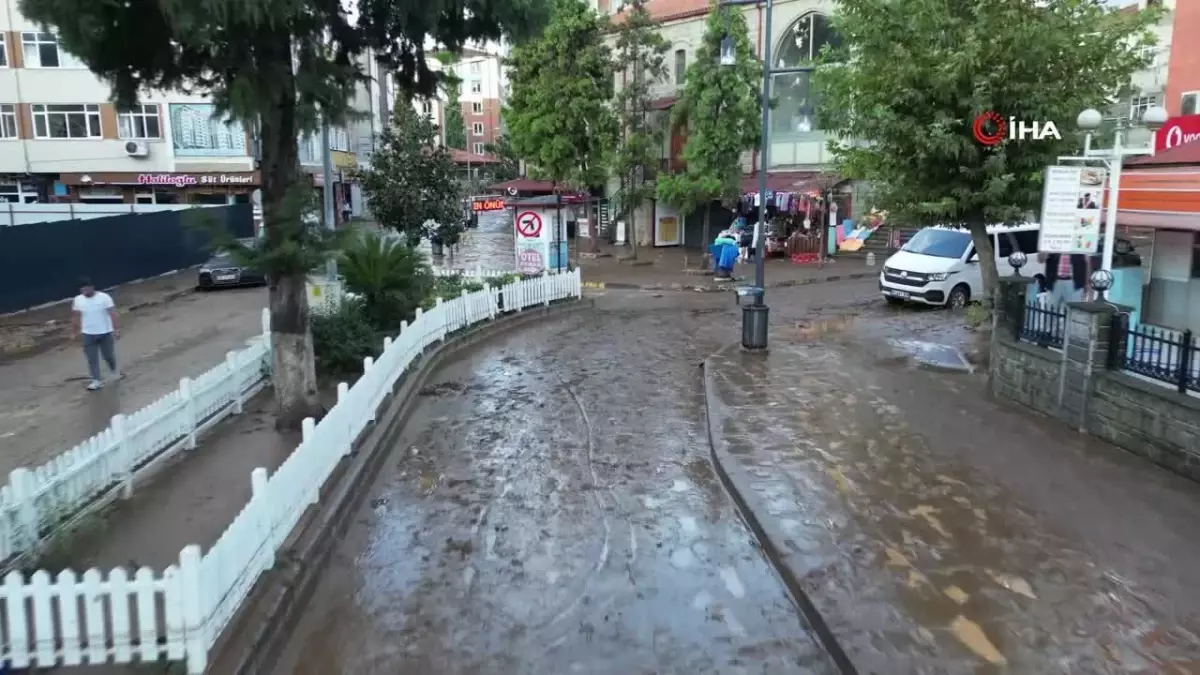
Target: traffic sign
(530, 261)
(529, 224)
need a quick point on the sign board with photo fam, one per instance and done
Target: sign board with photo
(1071, 210)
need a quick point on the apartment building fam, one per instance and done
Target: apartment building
(1183, 71)
(62, 140)
(481, 97)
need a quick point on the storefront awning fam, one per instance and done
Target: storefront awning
(791, 181)
(1162, 191)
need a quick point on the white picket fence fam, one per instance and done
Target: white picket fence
(37, 500)
(179, 614)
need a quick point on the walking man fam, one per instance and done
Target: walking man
(1066, 276)
(95, 322)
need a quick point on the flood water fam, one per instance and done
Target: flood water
(490, 246)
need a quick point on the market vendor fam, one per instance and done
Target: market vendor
(725, 254)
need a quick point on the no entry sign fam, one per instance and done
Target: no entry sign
(530, 261)
(529, 224)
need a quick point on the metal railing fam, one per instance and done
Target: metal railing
(1169, 356)
(1043, 325)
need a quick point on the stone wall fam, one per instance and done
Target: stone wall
(1143, 417)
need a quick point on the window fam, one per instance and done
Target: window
(476, 108)
(16, 192)
(1138, 106)
(3, 51)
(1190, 103)
(427, 108)
(66, 121)
(41, 50)
(795, 111)
(680, 65)
(477, 129)
(339, 139)
(476, 87)
(478, 148)
(473, 66)
(143, 198)
(141, 121)
(8, 121)
(1025, 241)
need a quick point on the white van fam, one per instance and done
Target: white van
(938, 266)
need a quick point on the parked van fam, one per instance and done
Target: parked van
(939, 266)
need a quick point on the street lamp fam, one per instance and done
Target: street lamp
(755, 315)
(1088, 121)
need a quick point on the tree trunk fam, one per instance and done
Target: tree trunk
(631, 232)
(704, 232)
(293, 372)
(987, 260)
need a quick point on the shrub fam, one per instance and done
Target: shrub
(343, 338)
(391, 278)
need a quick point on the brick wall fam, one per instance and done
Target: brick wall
(1143, 417)
(1183, 69)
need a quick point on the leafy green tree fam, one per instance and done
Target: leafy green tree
(721, 108)
(411, 184)
(509, 166)
(558, 114)
(642, 50)
(392, 279)
(914, 74)
(275, 67)
(456, 126)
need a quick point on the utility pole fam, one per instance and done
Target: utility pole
(331, 270)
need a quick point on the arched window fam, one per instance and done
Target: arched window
(801, 45)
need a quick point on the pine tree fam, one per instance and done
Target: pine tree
(642, 49)
(456, 126)
(275, 67)
(721, 108)
(558, 115)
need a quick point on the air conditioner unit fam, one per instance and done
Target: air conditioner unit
(137, 149)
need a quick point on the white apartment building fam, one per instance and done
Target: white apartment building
(62, 140)
(481, 96)
(1147, 86)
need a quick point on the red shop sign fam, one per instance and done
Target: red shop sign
(1176, 132)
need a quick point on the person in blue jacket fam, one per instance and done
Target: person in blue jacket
(725, 253)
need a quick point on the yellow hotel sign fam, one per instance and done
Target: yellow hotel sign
(344, 160)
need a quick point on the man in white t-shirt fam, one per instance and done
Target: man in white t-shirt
(95, 322)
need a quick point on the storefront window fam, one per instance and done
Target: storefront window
(165, 197)
(795, 111)
(208, 198)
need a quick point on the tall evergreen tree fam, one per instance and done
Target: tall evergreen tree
(721, 109)
(641, 50)
(914, 74)
(275, 66)
(558, 116)
(456, 126)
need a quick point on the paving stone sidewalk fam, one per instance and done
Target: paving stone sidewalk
(937, 530)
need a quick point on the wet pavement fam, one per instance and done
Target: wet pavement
(551, 508)
(490, 246)
(941, 532)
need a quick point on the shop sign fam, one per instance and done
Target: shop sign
(1176, 132)
(1071, 210)
(181, 180)
(488, 205)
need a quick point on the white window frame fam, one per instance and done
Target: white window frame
(137, 117)
(427, 108)
(478, 148)
(476, 107)
(1138, 105)
(66, 60)
(476, 87)
(1195, 96)
(8, 121)
(477, 128)
(3, 50)
(91, 113)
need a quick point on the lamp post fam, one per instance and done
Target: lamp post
(755, 315)
(1089, 120)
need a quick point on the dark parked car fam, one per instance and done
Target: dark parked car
(221, 271)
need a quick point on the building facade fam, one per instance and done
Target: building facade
(481, 97)
(63, 140)
(1183, 71)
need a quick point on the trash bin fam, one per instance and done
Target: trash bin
(754, 318)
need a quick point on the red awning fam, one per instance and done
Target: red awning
(524, 185)
(784, 181)
(464, 157)
(664, 103)
(1188, 153)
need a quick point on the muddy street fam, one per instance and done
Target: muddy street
(551, 508)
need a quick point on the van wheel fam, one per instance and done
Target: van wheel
(960, 296)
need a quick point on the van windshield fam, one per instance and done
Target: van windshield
(939, 243)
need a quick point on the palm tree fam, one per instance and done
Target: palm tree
(392, 278)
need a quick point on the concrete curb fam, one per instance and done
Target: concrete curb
(712, 288)
(733, 477)
(265, 623)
